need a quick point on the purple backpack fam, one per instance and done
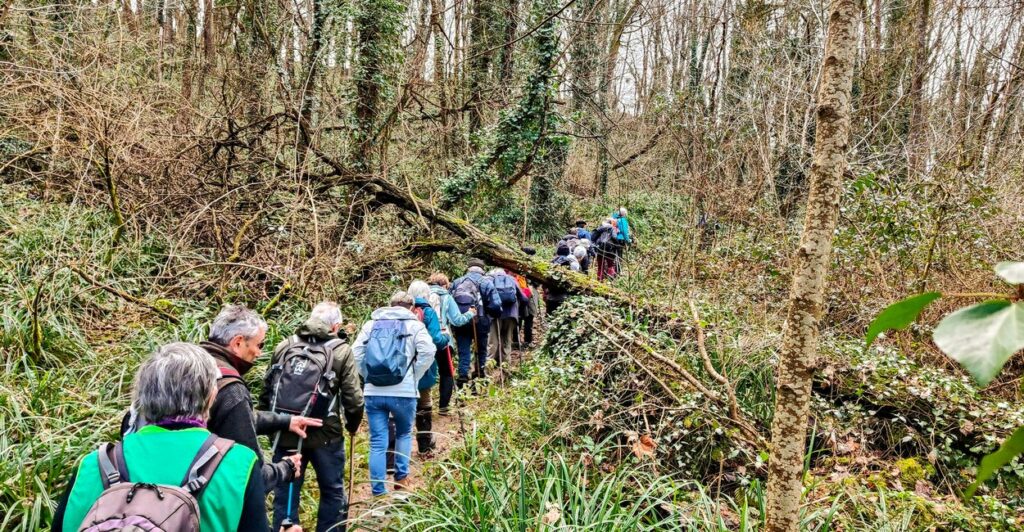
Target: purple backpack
(129, 506)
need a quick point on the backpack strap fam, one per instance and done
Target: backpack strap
(227, 376)
(209, 456)
(113, 468)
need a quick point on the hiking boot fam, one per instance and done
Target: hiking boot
(443, 412)
(403, 484)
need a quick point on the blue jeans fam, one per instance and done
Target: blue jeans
(464, 341)
(329, 463)
(379, 410)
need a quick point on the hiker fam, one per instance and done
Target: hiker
(503, 327)
(313, 373)
(571, 239)
(523, 337)
(427, 307)
(450, 317)
(235, 342)
(474, 290)
(583, 258)
(605, 247)
(623, 238)
(553, 295)
(581, 230)
(172, 396)
(392, 351)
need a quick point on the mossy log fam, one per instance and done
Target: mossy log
(492, 249)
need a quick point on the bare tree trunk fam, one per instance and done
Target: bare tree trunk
(607, 93)
(800, 339)
(918, 122)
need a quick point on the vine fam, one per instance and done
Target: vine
(524, 138)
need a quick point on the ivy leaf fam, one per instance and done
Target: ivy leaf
(982, 337)
(899, 315)
(1011, 272)
(1013, 446)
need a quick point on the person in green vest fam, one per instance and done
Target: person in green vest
(172, 395)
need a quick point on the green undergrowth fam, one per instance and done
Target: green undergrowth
(532, 459)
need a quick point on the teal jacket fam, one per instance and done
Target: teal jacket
(623, 223)
(433, 325)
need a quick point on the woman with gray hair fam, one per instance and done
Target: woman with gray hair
(172, 394)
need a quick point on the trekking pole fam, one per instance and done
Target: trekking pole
(287, 522)
(351, 466)
(476, 348)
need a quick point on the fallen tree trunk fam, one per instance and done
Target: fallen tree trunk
(492, 249)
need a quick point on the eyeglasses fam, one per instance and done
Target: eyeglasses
(260, 345)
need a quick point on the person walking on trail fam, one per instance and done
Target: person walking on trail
(503, 327)
(450, 317)
(427, 307)
(523, 337)
(623, 238)
(392, 352)
(314, 373)
(582, 257)
(474, 290)
(128, 485)
(235, 342)
(581, 230)
(554, 296)
(605, 249)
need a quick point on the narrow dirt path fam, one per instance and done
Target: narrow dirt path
(449, 435)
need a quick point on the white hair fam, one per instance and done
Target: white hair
(235, 320)
(402, 299)
(622, 211)
(419, 289)
(176, 381)
(579, 252)
(475, 269)
(496, 271)
(328, 312)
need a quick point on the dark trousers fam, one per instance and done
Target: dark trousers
(424, 423)
(446, 376)
(526, 328)
(551, 305)
(329, 463)
(464, 341)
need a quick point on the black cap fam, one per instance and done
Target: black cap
(529, 250)
(581, 223)
(475, 262)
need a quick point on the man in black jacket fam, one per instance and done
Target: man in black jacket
(324, 448)
(235, 342)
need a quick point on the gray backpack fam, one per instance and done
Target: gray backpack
(136, 506)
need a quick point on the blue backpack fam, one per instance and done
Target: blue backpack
(507, 288)
(385, 353)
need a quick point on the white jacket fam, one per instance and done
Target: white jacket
(420, 346)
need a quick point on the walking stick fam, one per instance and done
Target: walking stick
(351, 466)
(287, 523)
(476, 347)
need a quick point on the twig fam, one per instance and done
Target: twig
(125, 296)
(710, 368)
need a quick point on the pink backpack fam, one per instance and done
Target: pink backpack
(136, 506)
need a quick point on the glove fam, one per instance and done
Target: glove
(352, 426)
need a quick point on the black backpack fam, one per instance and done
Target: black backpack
(302, 382)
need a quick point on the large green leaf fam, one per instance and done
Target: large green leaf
(1011, 272)
(899, 315)
(991, 463)
(982, 337)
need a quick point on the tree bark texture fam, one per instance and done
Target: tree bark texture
(800, 339)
